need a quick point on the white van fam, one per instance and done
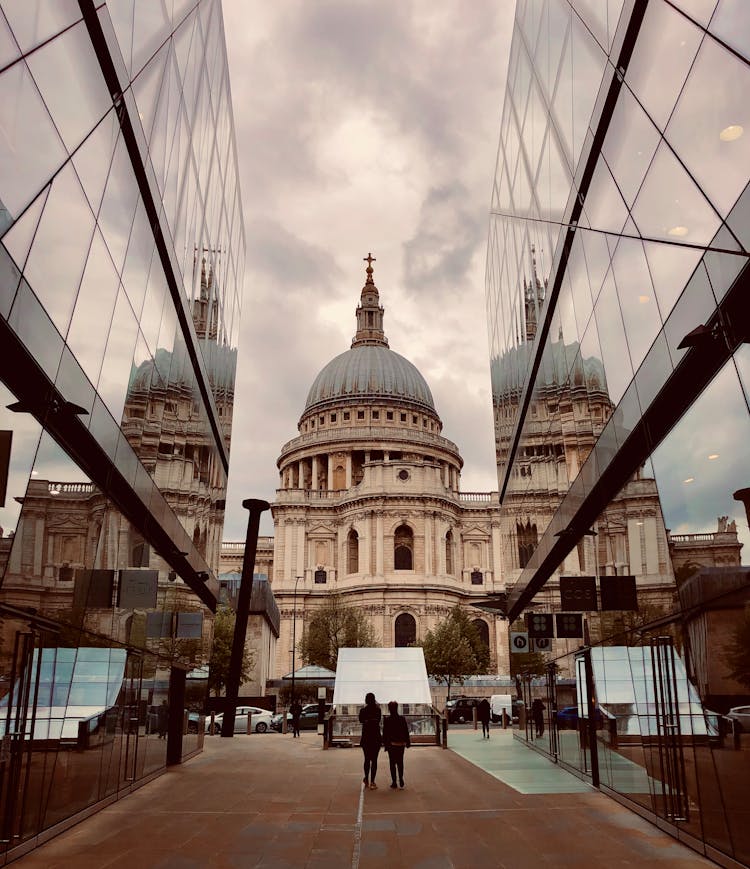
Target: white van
(498, 702)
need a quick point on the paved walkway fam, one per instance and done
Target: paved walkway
(268, 800)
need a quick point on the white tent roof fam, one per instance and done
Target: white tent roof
(391, 674)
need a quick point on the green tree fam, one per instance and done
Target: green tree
(332, 627)
(454, 650)
(737, 652)
(221, 652)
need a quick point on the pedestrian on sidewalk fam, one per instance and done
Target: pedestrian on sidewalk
(296, 710)
(162, 718)
(483, 714)
(371, 740)
(537, 714)
(396, 740)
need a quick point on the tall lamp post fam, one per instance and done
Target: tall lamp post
(255, 508)
(294, 634)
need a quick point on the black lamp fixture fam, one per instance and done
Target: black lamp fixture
(700, 336)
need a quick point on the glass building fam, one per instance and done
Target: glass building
(617, 306)
(121, 267)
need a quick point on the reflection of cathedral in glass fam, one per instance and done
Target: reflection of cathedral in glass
(121, 270)
(616, 291)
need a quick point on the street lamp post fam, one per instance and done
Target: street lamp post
(294, 634)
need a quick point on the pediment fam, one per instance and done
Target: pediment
(322, 530)
(475, 531)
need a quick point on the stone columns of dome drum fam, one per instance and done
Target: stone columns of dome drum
(348, 470)
(330, 472)
(379, 545)
(300, 474)
(440, 531)
(314, 484)
(427, 545)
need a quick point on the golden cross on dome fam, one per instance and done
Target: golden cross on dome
(369, 259)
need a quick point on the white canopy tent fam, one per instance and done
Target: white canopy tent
(391, 674)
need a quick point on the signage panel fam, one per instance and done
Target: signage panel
(619, 593)
(519, 642)
(137, 589)
(190, 626)
(578, 594)
(540, 625)
(569, 626)
(541, 644)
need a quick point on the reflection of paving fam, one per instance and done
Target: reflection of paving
(511, 762)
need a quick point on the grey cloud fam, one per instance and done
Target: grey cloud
(438, 257)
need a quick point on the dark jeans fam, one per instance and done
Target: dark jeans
(485, 728)
(295, 726)
(371, 761)
(396, 760)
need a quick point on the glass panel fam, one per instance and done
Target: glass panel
(34, 21)
(80, 98)
(666, 47)
(701, 464)
(731, 23)
(89, 327)
(62, 241)
(24, 119)
(670, 206)
(35, 329)
(640, 313)
(630, 145)
(711, 124)
(118, 205)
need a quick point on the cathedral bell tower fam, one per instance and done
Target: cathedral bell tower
(369, 313)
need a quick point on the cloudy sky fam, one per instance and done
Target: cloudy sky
(363, 126)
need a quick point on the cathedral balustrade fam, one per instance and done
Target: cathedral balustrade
(375, 433)
(481, 497)
(299, 495)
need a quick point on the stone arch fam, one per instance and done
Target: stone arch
(449, 552)
(352, 551)
(403, 548)
(404, 630)
(483, 629)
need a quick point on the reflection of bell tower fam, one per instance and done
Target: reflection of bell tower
(369, 313)
(205, 310)
(534, 294)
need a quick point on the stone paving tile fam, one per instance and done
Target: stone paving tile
(230, 808)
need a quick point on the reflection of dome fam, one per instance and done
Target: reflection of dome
(562, 364)
(369, 371)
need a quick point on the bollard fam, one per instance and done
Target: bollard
(505, 719)
(211, 726)
(474, 716)
(445, 733)
(249, 728)
(736, 734)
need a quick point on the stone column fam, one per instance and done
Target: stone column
(329, 481)
(428, 525)
(440, 531)
(300, 570)
(314, 484)
(348, 470)
(379, 545)
(497, 549)
(300, 474)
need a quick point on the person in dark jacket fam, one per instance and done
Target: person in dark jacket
(483, 714)
(537, 714)
(371, 740)
(296, 710)
(396, 740)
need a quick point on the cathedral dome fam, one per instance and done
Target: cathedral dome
(369, 371)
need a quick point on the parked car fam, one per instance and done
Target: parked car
(567, 718)
(260, 720)
(740, 714)
(461, 709)
(308, 720)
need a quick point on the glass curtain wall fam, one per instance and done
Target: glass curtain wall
(617, 282)
(121, 268)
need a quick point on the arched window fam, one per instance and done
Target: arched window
(483, 631)
(527, 540)
(352, 552)
(405, 633)
(403, 548)
(449, 552)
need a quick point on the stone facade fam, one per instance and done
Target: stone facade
(370, 506)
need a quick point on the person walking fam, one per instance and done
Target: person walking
(537, 714)
(483, 714)
(396, 740)
(371, 740)
(162, 719)
(296, 710)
